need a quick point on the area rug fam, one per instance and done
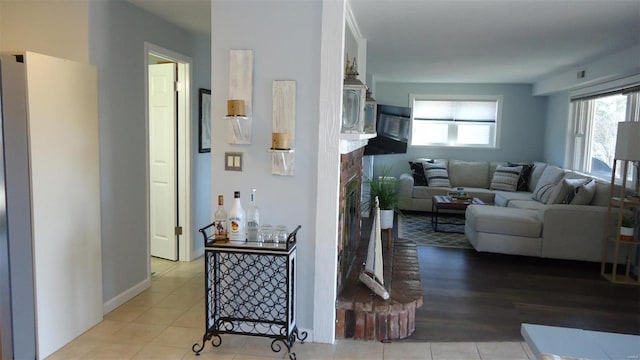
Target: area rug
(417, 228)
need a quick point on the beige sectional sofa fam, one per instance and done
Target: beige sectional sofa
(557, 214)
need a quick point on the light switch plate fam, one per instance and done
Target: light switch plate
(233, 161)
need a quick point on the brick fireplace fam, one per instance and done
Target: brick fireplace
(359, 313)
(350, 214)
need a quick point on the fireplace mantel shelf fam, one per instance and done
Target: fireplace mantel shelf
(352, 142)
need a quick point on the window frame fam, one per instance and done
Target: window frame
(583, 133)
(499, 99)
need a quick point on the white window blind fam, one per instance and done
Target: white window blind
(455, 120)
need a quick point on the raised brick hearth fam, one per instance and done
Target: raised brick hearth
(363, 315)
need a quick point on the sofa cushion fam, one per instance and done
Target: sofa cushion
(506, 178)
(526, 204)
(525, 175)
(506, 221)
(536, 172)
(469, 173)
(584, 193)
(503, 198)
(437, 174)
(417, 171)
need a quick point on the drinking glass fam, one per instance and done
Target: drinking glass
(266, 233)
(280, 235)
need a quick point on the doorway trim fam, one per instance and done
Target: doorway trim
(185, 68)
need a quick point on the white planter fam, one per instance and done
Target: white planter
(386, 219)
(626, 233)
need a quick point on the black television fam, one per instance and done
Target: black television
(392, 127)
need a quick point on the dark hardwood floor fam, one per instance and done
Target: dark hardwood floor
(471, 296)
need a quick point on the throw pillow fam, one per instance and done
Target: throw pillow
(551, 175)
(525, 176)
(437, 174)
(417, 170)
(506, 178)
(563, 191)
(543, 193)
(584, 194)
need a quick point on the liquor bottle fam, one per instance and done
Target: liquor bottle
(220, 220)
(237, 220)
(253, 218)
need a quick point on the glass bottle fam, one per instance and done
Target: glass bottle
(253, 218)
(220, 220)
(237, 220)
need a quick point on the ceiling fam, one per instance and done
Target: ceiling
(490, 41)
(466, 41)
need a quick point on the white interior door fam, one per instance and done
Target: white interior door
(162, 159)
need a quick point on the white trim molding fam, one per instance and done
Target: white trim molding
(327, 202)
(185, 151)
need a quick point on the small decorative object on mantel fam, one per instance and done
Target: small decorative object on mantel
(239, 105)
(370, 114)
(353, 100)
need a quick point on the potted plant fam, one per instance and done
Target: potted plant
(627, 226)
(385, 188)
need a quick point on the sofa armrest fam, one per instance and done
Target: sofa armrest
(406, 191)
(573, 231)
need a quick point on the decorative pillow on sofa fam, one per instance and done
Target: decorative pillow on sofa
(437, 174)
(543, 193)
(564, 190)
(525, 176)
(550, 175)
(584, 194)
(506, 178)
(417, 170)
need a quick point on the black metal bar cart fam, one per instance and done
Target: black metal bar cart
(250, 290)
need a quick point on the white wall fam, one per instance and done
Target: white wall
(55, 28)
(285, 36)
(612, 71)
(201, 170)
(556, 129)
(617, 65)
(351, 47)
(522, 129)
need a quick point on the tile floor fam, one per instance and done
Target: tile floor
(164, 322)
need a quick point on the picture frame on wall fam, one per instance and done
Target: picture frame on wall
(204, 125)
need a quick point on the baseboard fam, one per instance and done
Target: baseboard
(197, 253)
(125, 296)
(309, 332)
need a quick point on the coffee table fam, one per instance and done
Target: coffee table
(445, 202)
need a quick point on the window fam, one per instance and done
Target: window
(594, 122)
(460, 121)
